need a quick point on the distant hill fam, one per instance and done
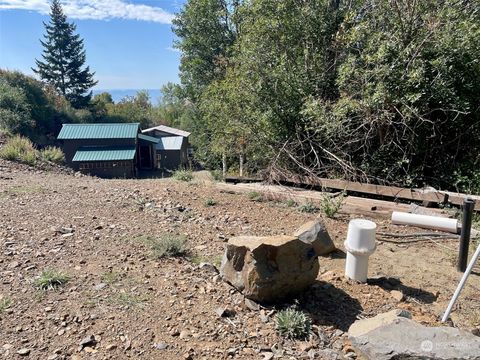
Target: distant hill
(119, 94)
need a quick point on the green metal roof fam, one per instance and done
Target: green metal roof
(149, 138)
(99, 131)
(106, 153)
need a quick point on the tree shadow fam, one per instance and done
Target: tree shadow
(329, 305)
(391, 283)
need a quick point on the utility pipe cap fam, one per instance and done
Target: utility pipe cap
(361, 236)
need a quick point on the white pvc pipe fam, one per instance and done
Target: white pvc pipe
(360, 244)
(461, 284)
(425, 221)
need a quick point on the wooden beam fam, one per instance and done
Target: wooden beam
(435, 196)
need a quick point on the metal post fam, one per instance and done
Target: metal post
(468, 206)
(461, 284)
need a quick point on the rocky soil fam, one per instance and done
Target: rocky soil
(121, 302)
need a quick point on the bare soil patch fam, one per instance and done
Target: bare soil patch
(142, 307)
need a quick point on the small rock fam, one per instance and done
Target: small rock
(268, 356)
(88, 341)
(23, 352)
(100, 286)
(184, 334)
(224, 312)
(316, 234)
(160, 346)
(252, 305)
(111, 347)
(397, 295)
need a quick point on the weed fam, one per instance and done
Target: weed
(166, 245)
(217, 175)
(169, 246)
(183, 175)
(255, 196)
(290, 203)
(331, 205)
(4, 304)
(308, 207)
(210, 202)
(110, 277)
(214, 260)
(19, 149)
(293, 324)
(129, 300)
(52, 154)
(51, 280)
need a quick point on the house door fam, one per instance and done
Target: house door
(145, 157)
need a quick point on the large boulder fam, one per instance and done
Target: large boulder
(314, 232)
(394, 335)
(267, 269)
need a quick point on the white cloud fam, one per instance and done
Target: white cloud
(95, 9)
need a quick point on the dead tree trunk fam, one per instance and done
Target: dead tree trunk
(241, 164)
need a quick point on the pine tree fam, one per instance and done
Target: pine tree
(64, 59)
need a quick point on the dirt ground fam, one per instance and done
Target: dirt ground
(140, 307)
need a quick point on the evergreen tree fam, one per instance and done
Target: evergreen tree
(64, 59)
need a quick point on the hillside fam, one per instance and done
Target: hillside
(136, 306)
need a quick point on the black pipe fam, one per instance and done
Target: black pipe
(468, 206)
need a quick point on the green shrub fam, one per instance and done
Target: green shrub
(255, 196)
(308, 207)
(290, 203)
(19, 149)
(210, 202)
(183, 175)
(330, 206)
(4, 304)
(52, 154)
(51, 280)
(293, 324)
(166, 246)
(217, 175)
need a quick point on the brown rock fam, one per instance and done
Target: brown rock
(267, 269)
(397, 295)
(315, 233)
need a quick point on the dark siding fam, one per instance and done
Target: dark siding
(125, 169)
(70, 147)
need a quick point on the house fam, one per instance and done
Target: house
(108, 150)
(172, 150)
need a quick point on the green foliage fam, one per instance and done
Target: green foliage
(110, 277)
(290, 203)
(210, 202)
(330, 206)
(19, 149)
(379, 91)
(63, 65)
(308, 207)
(52, 154)
(206, 30)
(183, 175)
(5, 303)
(255, 196)
(217, 175)
(169, 246)
(51, 280)
(293, 324)
(14, 109)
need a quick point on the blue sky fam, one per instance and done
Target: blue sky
(128, 43)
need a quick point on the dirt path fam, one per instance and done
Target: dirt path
(140, 307)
